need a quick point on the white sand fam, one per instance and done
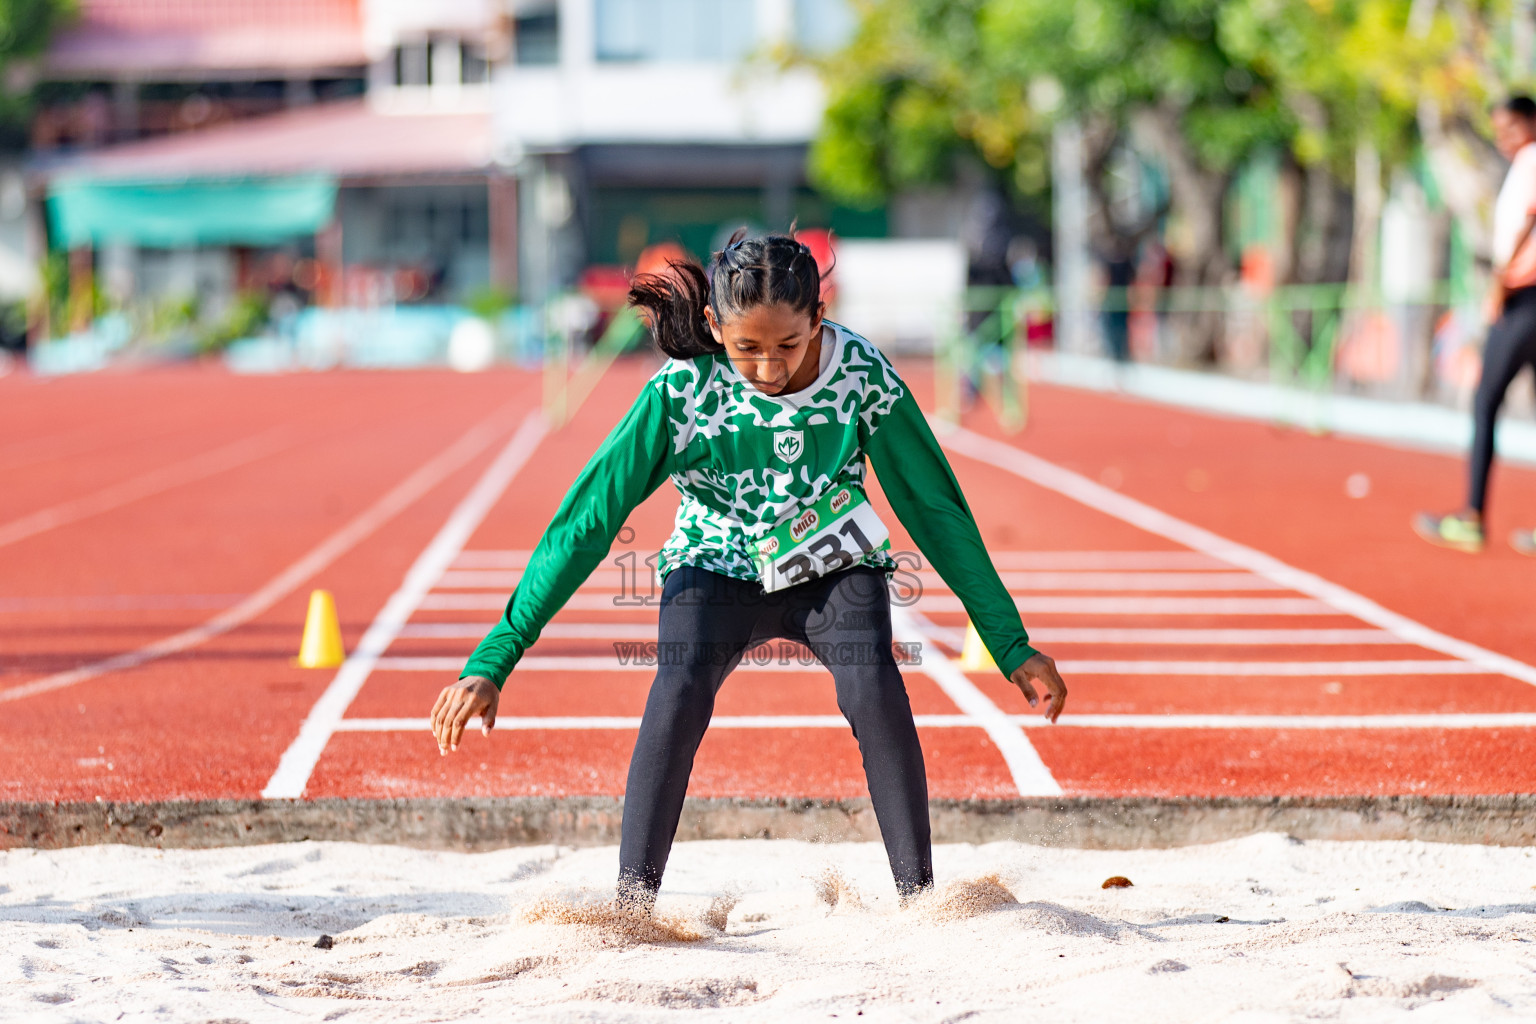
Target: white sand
(1260, 929)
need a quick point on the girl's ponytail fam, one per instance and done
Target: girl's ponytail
(673, 303)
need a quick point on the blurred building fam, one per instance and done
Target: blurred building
(632, 122)
(359, 154)
(338, 150)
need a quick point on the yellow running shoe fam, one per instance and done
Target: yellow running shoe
(1523, 541)
(1462, 533)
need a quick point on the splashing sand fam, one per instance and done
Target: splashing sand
(968, 897)
(718, 914)
(833, 888)
(614, 922)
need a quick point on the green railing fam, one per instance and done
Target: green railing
(984, 350)
(1297, 328)
(567, 381)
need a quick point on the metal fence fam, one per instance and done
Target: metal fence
(1318, 339)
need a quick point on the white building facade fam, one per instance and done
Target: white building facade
(631, 122)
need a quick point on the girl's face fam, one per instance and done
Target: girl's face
(769, 345)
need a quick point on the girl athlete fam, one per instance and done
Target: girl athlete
(763, 418)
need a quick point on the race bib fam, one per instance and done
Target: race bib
(840, 530)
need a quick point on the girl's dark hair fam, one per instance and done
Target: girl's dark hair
(748, 272)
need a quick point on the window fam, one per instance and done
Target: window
(675, 30)
(440, 61)
(474, 68)
(536, 38)
(413, 64)
(822, 26)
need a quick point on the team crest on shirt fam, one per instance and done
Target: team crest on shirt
(788, 444)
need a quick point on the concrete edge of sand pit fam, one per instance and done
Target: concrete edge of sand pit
(485, 823)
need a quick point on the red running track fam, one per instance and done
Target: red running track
(1229, 620)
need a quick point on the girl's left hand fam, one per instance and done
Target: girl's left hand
(1042, 669)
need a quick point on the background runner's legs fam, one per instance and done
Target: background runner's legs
(1511, 345)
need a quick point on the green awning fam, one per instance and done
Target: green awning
(253, 211)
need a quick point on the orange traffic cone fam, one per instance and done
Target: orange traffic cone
(974, 656)
(321, 647)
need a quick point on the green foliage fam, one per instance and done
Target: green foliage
(246, 315)
(926, 80)
(490, 302)
(894, 101)
(1349, 70)
(26, 26)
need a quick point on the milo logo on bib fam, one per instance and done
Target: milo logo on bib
(840, 500)
(804, 525)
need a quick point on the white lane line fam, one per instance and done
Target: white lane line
(604, 577)
(517, 558)
(1030, 775)
(952, 636)
(1112, 503)
(512, 558)
(400, 497)
(1508, 720)
(553, 631)
(1105, 560)
(490, 579)
(474, 602)
(1124, 581)
(1271, 668)
(148, 484)
(583, 600)
(617, 722)
(115, 602)
(1071, 605)
(1066, 605)
(617, 580)
(599, 663)
(613, 663)
(299, 760)
(1442, 721)
(1214, 637)
(443, 630)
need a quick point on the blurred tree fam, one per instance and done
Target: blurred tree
(1347, 90)
(1468, 59)
(26, 26)
(926, 80)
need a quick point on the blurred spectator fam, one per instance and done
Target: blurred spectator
(1119, 274)
(1511, 343)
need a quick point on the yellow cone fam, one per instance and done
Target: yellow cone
(974, 656)
(321, 647)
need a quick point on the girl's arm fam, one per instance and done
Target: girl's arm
(917, 480)
(625, 470)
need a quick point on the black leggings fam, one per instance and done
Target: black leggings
(1511, 345)
(707, 621)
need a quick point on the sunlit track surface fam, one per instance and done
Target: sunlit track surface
(1260, 637)
(1190, 674)
(581, 642)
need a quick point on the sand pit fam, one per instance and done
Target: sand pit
(1259, 929)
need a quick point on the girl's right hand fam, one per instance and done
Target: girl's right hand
(457, 704)
(1041, 668)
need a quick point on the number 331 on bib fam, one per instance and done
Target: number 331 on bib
(840, 530)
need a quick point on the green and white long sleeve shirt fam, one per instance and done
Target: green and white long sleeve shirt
(744, 461)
